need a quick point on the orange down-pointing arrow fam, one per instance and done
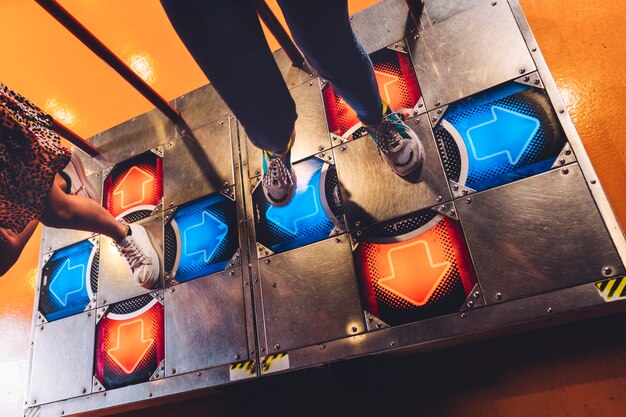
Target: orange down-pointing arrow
(132, 188)
(414, 275)
(131, 345)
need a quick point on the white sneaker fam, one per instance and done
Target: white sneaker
(79, 184)
(141, 256)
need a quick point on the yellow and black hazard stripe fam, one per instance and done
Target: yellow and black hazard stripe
(612, 289)
(242, 370)
(268, 361)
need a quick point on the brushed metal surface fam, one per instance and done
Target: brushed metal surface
(53, 239)
(310, 295)
(200, 107)
(382, 24)
(436, 12)
(198, 164)
(115, 282)
(537, 235)
(311, 127)
(293, 76)
(371, 192)
(205, 323)
(134, 136)
(62, 359)
(469, 52)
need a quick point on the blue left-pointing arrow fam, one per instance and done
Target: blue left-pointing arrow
(204, 237)
(507, 133)
(67, 281)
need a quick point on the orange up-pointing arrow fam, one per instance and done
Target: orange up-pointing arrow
(384, 82)
(132, 189)
(131, 345)
(414, 276)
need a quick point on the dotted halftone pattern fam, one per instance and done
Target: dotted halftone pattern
(397, 84)
(446, 247)
(78, 253)
(537, 157)
(110, 373)
(149, 163)
(222, 209)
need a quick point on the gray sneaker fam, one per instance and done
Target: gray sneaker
(79, 184)
(279, 178)
(398, 143)
(141, 256)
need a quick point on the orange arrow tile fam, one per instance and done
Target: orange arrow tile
(132, 189)
(131, 346)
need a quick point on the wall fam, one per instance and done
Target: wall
(574, 370)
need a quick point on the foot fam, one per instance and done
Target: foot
(141, 256)
(78, 182)
(279, 177)
(398, 143)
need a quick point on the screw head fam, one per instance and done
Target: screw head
(276, 346)
(499, 296)
(468, 200)
(173, 370)
(565, 171)
(549, 310)
(267, 261)
(607, 270)
(237, 356)
(437, 103)
(354, 329)
(522, 70)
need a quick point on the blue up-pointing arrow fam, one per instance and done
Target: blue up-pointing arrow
(507, 133)
(204, 237)
(303, 206)
(67, 281)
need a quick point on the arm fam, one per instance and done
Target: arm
(12, 244)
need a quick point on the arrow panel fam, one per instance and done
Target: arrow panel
(311, 215)
(70, 281)
(201, 238)
(397, 85)
(414, 268)
(129, 342)
(134, 187)
(499, 136)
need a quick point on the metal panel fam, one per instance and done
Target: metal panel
(205, 323)
(311, 127)
(307, 302)
(541, 242)
(53, 239)
(62, 359)
(201, 107)
(198, 164)
(115, 281)
(382, 24)
(293, 76)
(436, 12)
(371, 192)
(470, 52)
(135, 136)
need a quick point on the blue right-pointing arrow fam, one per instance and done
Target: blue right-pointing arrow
(508, 133)
(205, 237)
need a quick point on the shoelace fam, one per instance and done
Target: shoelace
(277, 172)
(130, 251)
(386, 132)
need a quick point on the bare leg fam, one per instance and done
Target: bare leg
(79, 213)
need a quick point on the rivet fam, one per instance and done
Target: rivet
(442, 208)
(439, 111)
(534, 49)
(593, 181)
(522, 70)
(561, 161)
(470, 304)
(156, 375)
(41, 328)
(257, 172)
(199, 373)
(221, 122)
(275, 284)
(499, 296)
(338, 240)
(416, 121)
(437, 103)
(463, 315)
(536, 82)
(439, 199)
(321, 148)
(173, 370)
(276, 346)
(354, 329)
(84, 390)
(434, 119)
(468, 200)
(150, 394)
(369, 319)
(568, 152)
(465, 192)
(549, 310)
(89, 314)
(565, 171)
(233, 273)
(343, 147)
(455, 188)
(237, 356)
(357, 224)
(476, 294)
(310, 83)
(392, 344)
(607, 271)
(493, 3)
(378, 325)
(267, 261)
(561, 111)
(322, 347)
(526, 78)
(420, 105)
(452, 212)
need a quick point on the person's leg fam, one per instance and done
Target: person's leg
(324, 35)
(226, 40)
(79, 213)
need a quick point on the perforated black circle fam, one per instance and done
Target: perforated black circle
(131, 305)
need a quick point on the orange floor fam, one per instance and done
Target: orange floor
(584, 44)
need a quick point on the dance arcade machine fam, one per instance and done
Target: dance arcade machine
(506, 226)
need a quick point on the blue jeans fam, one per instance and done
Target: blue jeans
(226, 40)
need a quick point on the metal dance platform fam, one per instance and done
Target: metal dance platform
(506, 229)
